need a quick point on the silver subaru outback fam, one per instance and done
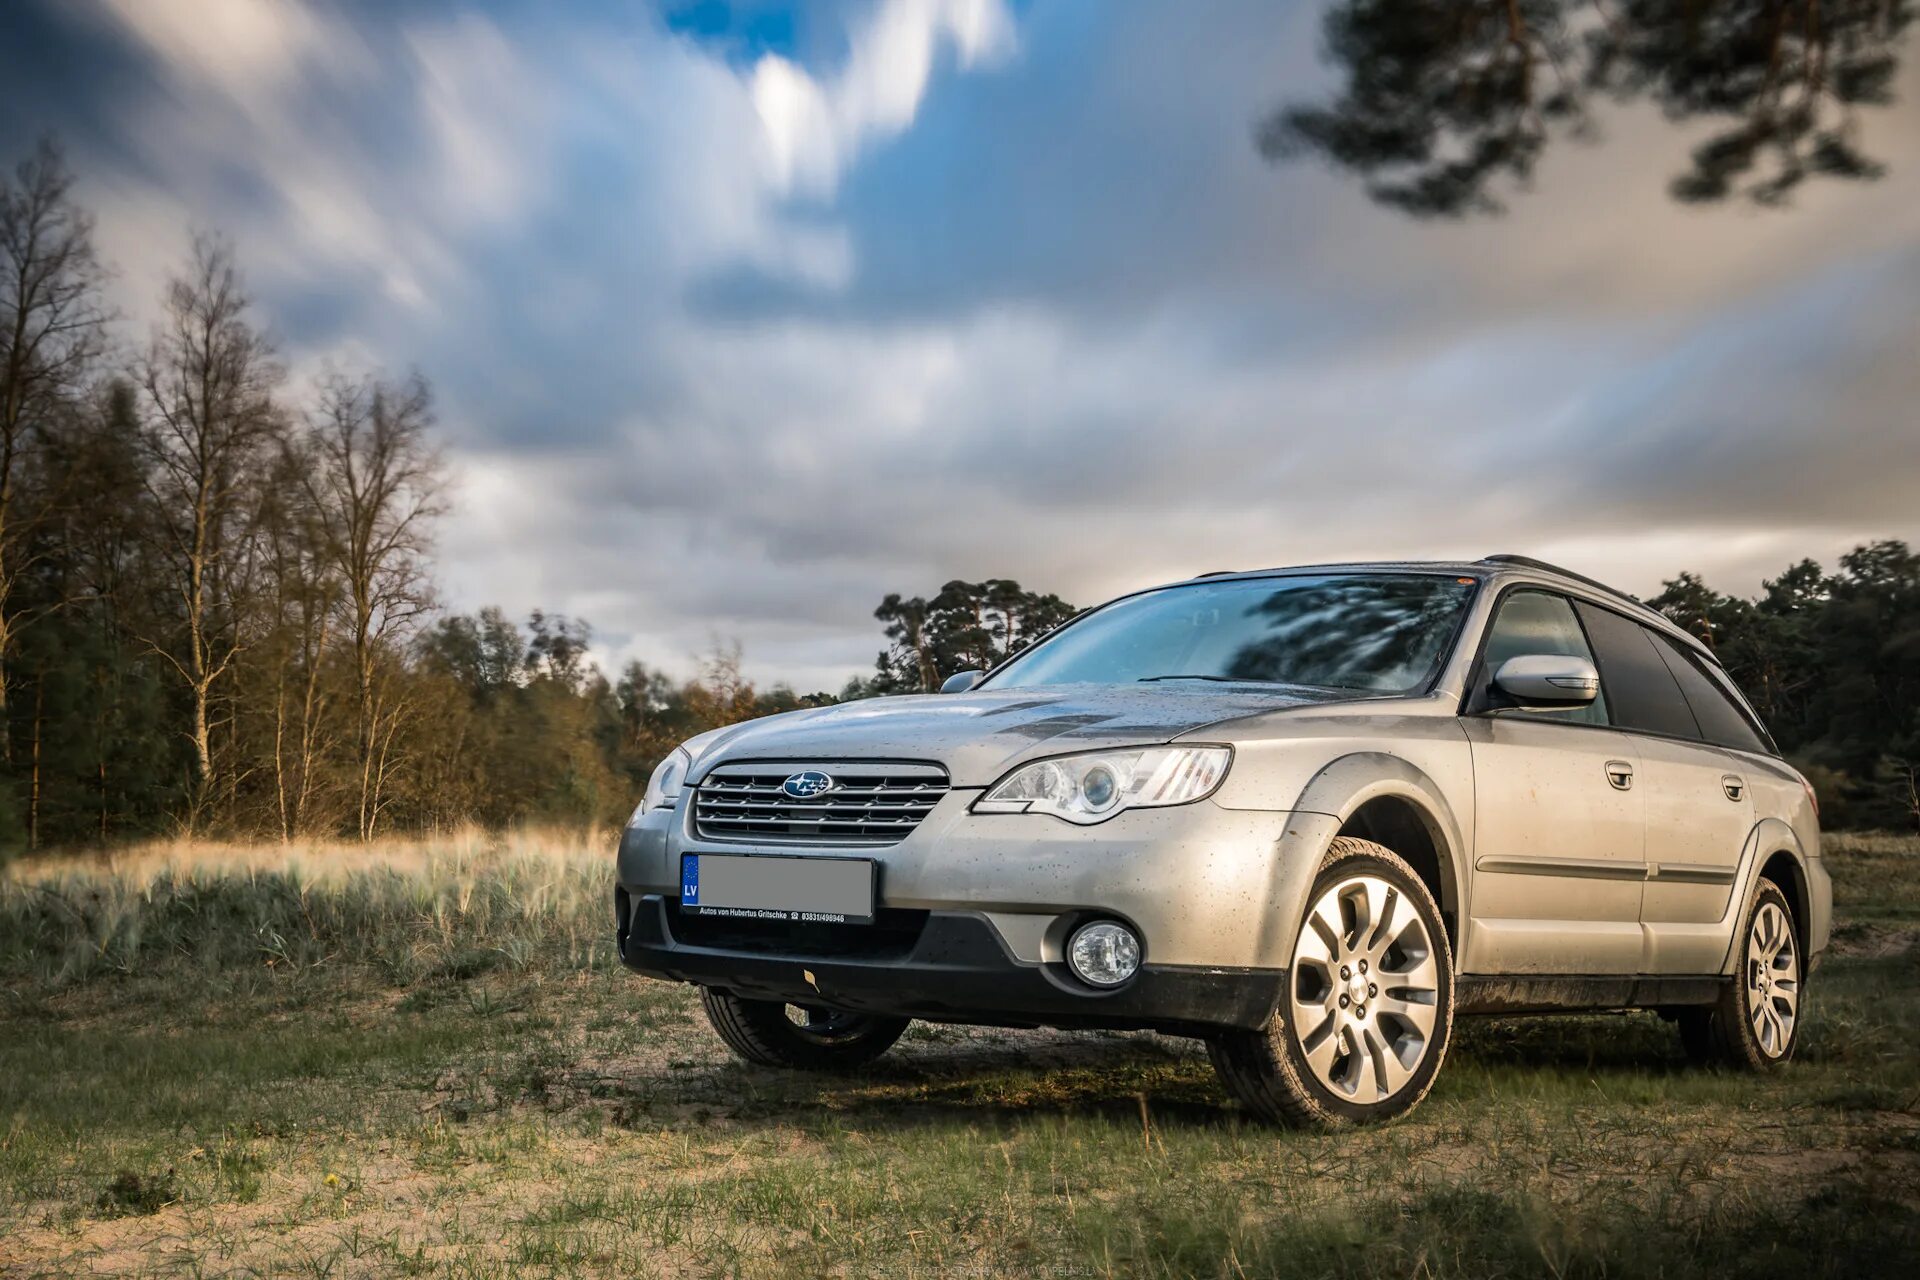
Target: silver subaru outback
(1307, 815)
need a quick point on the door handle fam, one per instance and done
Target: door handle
(1734, 786)
(1619, 774)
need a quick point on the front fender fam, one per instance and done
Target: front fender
(1347, 784)
(1336, 788)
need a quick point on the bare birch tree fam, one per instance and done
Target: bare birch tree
(207, 384)
(375, 486)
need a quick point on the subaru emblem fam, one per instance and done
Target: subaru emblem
(807, 785)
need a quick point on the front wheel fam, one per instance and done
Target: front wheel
(1363, 1024)
(1756, 1022)
(801, 1037)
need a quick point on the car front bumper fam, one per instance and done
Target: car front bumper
(956, 969)
(977, 909)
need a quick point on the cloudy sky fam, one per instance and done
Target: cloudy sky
(741, 316)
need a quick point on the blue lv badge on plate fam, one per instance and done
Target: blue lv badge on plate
(690, 880)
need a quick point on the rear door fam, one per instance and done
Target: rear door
(1686, 902)
(1698, 810)
(1558, 861)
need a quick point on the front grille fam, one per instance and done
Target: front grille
(871, 804)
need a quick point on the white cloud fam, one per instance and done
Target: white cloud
(813, 128)
(802, 138)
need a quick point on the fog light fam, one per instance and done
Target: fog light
(1103, 953)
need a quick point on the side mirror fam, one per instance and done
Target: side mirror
(1548, 681)
(961, 681)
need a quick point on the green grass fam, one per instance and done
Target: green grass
(431, 1067)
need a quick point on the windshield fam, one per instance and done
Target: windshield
(1374, 633)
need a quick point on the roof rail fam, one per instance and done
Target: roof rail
(1214, 573)
(1528, 562)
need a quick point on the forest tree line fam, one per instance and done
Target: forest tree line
(218, 614)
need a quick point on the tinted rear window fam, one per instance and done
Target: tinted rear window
(1641, 691)
(1721, 722)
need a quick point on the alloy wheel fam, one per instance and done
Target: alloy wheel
(1773, 980)
(1364, 989)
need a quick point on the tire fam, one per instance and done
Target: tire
(1755, 1024)
(799, 1037)
(1322, 1061)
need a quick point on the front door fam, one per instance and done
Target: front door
(1558, 847)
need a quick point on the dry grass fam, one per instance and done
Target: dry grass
(318, 861)
(421, 1059)
(403, 906)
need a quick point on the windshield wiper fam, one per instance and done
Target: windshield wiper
(1273, 684)
(1218, 679)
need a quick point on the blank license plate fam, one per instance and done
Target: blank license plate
(809, 890)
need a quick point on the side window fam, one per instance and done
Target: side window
(1536, 622)
(1721, 721)
(1639, 686)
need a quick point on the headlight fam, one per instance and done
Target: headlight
(1093, 787)
(663, 788)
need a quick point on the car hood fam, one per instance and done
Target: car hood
(979, 736)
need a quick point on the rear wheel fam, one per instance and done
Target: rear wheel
(1756, 1022)
(802, 1037)
(1363, 1024)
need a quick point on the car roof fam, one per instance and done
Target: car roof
(1503, 568)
